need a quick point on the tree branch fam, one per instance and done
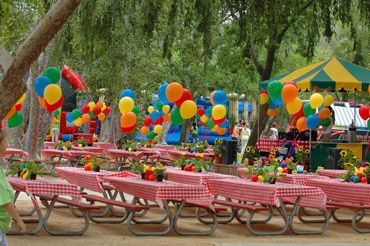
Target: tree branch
(251, 54)
(12, 87)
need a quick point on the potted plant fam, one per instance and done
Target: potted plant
(28, 170)
(302, 156)
(15, 169)
(159, 172)
(138, 167)
(60, 145)
(201, 166)
(81, 142)
(290, 165)
(181, 162)
(347, 156)
(217, 148)
(93, 163)
(367, 174)
(251, 153)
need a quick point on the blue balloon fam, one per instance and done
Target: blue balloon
(69, 118)
(127, 93)
(225, 124)
(273, 105)
(321, 107)
(161, 113)
(40, 84)
(220, 97)
(162, 93)
(312, 121)
(278, 102)
(154, 115)
(208, 112)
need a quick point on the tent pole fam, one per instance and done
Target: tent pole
(310, 140)
(354, 110)
(258, 116)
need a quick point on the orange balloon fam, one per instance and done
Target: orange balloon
(272, 112)
(128, 119)
(101, 116)
(42, 101)
(211, 97)
(166, 117)
(144, 130)
(85, 118)
(100, 104)
(174, 91)
(54, 120)
(289, 93)
(10, 113)
(301, 124)
(221, 131)
(324, 113)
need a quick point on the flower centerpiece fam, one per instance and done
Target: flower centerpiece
(347, 156)
(267, 174)
(159, 172)
(181, 162)
(81, 142)
(25, 170)
(201, 165)
(60, 145)
(217, 148)
(93, 163)
(130, 145)
(251, 153)
(366, 171)
(138, 167)
(302, 156)
(290, 165)
(354, 174)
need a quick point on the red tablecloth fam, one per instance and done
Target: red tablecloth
(105, 145)
(120, 153)
(10, 151)
(174, 155)
(47, 187)
(87, 179)
(97, 150)
(243, 172)
(160, 191)
(48, 145)
(299, 179)
(50, 153)
(268, 144)
(268, 194)
(330, 173)
(343, 191)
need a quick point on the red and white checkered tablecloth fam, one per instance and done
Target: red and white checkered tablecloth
(48, 145)
(10, 151)
(243, 172)
(105, 145)
(267, 194)
(160, 191)
(47, 187)
(299, 179)
(339, 191)
(88, 179)
(120, 153)
(268, 144)
(192, 178)
(175, 154)
(330, 173)
(89, 149)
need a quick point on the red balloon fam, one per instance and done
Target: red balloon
(158, 121)
(147, 121)
(300, 112)
(186, 95)
(107, 110)
(55, 106)
(200, 111)
(96, 110)
(128, 129)
(364, 112)
(85, 109)
(217, 122)
(18, 107)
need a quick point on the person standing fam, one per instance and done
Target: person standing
(273, 133)
(55, 132)
(244, 136)
(7, 208)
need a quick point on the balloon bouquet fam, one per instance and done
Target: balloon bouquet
(158, 114)
(365, 114)
(129, 111)
(14, 116)
(215, 116)
(88, 112)
(304, 114)
(48, 91)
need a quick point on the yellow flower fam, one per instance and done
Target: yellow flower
(343, 153)
(300, 148)
(355, 157)
(220, 141)
(253, 151)
(307, 151)
(248, 149)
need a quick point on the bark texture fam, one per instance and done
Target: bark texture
(12, 87)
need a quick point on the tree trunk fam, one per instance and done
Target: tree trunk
(185, 131)
(12, 87)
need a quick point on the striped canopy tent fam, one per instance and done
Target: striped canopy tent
(334, 74)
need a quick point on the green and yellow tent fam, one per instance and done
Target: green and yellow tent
(332, 74)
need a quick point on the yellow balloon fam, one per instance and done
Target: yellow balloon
(20, 100)
(316, 100)
(203, 118)
(214, 128)
(328, 100)
(188, 109)
(263, 98)
(294, 106)
(157, 129)
(166, 109)
(126, 104)
(78, 122)
(52, 94)
(150, 109)
(91, 105)
(219, 112)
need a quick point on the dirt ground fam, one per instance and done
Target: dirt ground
(231, 234)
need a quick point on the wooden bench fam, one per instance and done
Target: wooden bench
(129, 206)
(248, 207)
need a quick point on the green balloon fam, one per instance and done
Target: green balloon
(326, 122)
(274, 89)
(368, 124)
(136, 110)
(307, 110)
(15, 120)
(209, 111)
(159, 106)
(76, 113)
(56, 113)
(150, 135)
(176, 118)
(210, 124)
(53, 74)
(91, 115)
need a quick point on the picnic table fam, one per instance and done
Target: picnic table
(162, 193)
(52, 190)
(299, 179)
(105, 145)
(174, 155)
(355, 196)
(48, 145)
(97, 150)
(330, 173)
(270, 195)
(11, 155)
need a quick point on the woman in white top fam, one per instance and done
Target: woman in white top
(273, 133)
(244, 136)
